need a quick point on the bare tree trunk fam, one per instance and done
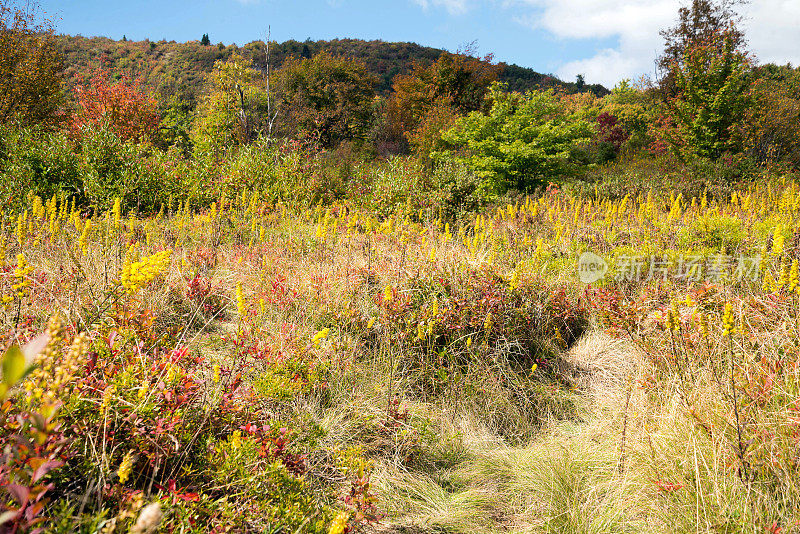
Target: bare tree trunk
(270, 115)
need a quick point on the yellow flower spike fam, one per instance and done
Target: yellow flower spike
(769, 285)
(125, 467)
(487, 324)
(216, 373)
(117, 210)
(728, 321)
(240, 302)
(339, 523)
(783, 279)
(793, 276)
(387, 293)
(777, 240)
(370, 323)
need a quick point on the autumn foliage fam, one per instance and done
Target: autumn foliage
(123, 108)
(31, 68)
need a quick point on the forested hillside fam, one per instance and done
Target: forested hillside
(170, 66)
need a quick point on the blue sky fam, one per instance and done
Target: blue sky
(606, 40)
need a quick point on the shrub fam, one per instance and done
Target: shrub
(121, 108)
(42, 163)
(327, 97)
(113, 169)
(524, 141)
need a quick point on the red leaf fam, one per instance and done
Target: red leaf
(20, 493)
(45, 468)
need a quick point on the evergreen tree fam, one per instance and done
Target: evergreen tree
(580, 83)
(205, 41)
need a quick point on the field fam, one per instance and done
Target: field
(255, 366)
(353, 286)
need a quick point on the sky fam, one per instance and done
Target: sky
(604, 40)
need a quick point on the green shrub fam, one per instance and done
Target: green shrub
(112, 169)
(713, 231)
(36, 161)
(524, 141)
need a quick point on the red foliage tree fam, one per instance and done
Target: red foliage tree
(123, 108)
(609, 130)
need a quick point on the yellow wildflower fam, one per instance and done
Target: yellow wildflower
(125, 467)
(728, 321)
(138, 274)
(319, 336)
(339, 523)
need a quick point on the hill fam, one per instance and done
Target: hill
(179, 69)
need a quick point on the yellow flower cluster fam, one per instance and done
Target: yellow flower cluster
(241, 304)
(53, 372)
(728, 322)
(387, 293)
(125, 467)
(22, 281)
(138, 274)
(117, 213)
(319, 336)
(339, 523)
(83, 240)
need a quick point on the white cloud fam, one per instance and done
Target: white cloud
(771, 28)
(452, 6)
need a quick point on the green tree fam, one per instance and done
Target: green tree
(205, 41)
(712, 84)
(524, 140)
(31, 69)
(234, 108)
(325, 96)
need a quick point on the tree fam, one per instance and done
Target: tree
(31, 69)
(525, 140)
(711, 83)
(459, 82)
(122, 108)
(771, 129)
(205, 41)
(697, 24)
(325, 96)
(233, 110)
(580, 83)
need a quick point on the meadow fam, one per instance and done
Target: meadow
(257, 367)
(410, 291)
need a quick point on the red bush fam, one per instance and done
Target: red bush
(123, 108)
